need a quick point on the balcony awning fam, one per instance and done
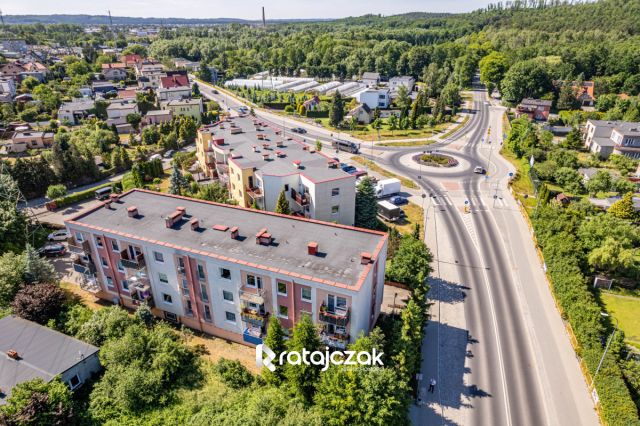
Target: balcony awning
(251, 297)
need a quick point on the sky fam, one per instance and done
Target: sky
(245, 9)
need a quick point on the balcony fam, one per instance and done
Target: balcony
(78, 247)
(335, 340)
(137, 263)
(84, 267)
(254, 192)
(338, 317)
(253, 317)
(140, 291)
(90, 284)
(252, 335)
(252, 295)
(300, 198)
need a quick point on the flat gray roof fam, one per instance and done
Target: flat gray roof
(313, 165)
(43, 352)
(339, 246)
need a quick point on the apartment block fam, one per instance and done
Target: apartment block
(612, 137)
(258, 162)
(225, 269)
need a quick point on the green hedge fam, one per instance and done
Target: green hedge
(81, 195)
(317, 114)
(276, 105)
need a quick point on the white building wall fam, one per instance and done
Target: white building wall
(273, 185)
(168, 267)
(216, 285)
(322, 200)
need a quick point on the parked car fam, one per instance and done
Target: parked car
(479, 170)
(348, 168)
(52, 250)
(61, 235)
(155, 157)
(298, 130)
(169, 153)
(399, 200)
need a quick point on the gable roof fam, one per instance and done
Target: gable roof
(176, 80)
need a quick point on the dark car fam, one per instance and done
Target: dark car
(398, 200)
(349, 169)
(52, 250)
(298, 130)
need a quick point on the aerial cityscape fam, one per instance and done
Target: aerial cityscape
(370, 213)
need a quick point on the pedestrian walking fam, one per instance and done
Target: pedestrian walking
(432, 385)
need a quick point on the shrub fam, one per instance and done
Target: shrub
(233, 373)
(38, 302)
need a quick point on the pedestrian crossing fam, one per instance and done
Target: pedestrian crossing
(474, 201)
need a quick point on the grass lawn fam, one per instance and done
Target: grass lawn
(456, 127)
(414, 214)
(413, 143)
(625, 309)
(373, 166)
(522, 184)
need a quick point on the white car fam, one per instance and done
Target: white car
(58, 236)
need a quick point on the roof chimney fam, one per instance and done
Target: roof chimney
(132, 211)
(263, 237)
(173, 218)
(115, 197)
(221, 228)
(365, 258)
(280, 154)
(234, 233)
(182, 210)
(312, 248)
(195, 224)
(107, 203)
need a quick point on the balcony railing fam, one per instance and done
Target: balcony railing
(253, 317)
(141, 292)
(339, 317)
(252, 295)
(300, 198)
(252, 335)
(90, 284)
(254, 192)
(137, 263)
(78, 247)
(335, 340)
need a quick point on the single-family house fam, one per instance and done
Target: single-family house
(175, 80)
(585, 91)
(103, 87)
(186, 64)
(127, 94)
(24, 140)
(158, 116)
(405, 81)
(75, 110)
(117, 113)
(374, 97)
(605, 203)
(612, 137)
(371, 79)
(8, 85)
(587, 173)
(184, 107)
(535, 109)
(311, 104)
(130, 60)
(11, 69)
(114, 72)
(362, 113)
(31, 351)
(173, 93)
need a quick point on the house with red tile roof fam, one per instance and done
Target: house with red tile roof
(176, 80)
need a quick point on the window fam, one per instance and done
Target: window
(166, 298)
(306, 294)
(99, 242)
(225, 273)
(203, 292)
(188, 309)
(253, 281)
(283, 311)
(109, 282)
(286, 188)
(341, 302)
(201, 274)
(171, 316)
(227, 295)
(282, 288)
(74, 382)
(114, 245)
(158, 257)
(335, 192)
(163, 278)
(230, 316)
(79, 237)
(104, 262)
(207, 313)
(120, 266)
(335, 209)
(185, 287)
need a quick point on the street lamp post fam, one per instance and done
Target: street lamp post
(604, 314)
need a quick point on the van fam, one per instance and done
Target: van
(351, 147)
(103, 193)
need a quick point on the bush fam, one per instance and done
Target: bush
(317, 114)
(233, 373)
(38, 302)
(56, 191)
(81, 195)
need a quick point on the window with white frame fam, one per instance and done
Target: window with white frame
(99, 242)
(79, 237)
(225, 273)
(207, 313)
(104, 262)
(227, 295)
(74, 382)
(120, 266)
(230, 316)
(109, 282)
(335, 209)
(282, 288)
(283, 311)
(201, 274)
(335, 192)
(114, 245)
(306, 294)
(158, 257)
(125, 285)
(254, 281)
(166, 298)
(163, 278)
(203, 292)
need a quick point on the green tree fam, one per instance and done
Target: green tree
(275, 341)
(134, 120)
(600, 182)
(13, 222)
(394, 242)
(412, 258)
(36, 402)
(318, 145)
(302, 378)
(233, 373)
(623, 209)
(150, 135)
(106, 324)
(567, 98)
(177, 182)
(195, 90)
(492, 70)
(613, 256)
(36, 268)
(403, 100)
(282, 205)
(573, 140)
(366, 205)
(336, 113)
(214, 192)
(56, 191)
(525, 79)
(38, 302)
(144, 314)
(11, 276)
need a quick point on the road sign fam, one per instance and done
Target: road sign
(466, 201)
(510, 174)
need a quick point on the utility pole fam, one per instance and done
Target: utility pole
(264, 21)
(1, 17)
(110, 20)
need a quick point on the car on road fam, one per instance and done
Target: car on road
(348, 168)
(169, 153)
(61, 235)
(479, 170)
(298, 130)
(399, 200)
(52, 250)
